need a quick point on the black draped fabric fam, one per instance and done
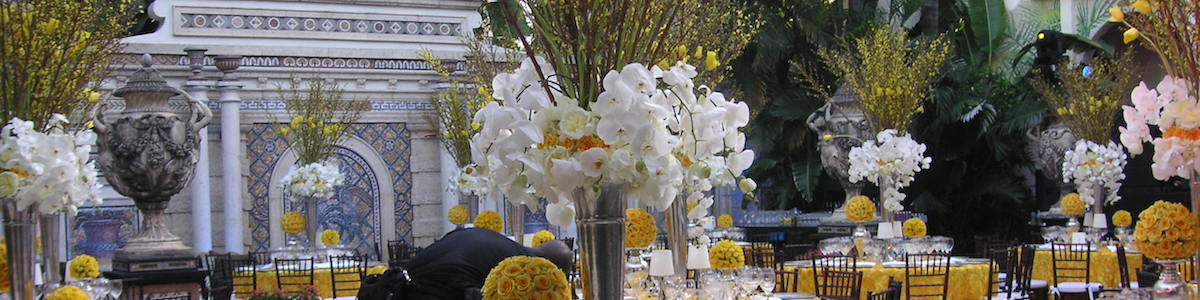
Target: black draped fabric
(459, 261)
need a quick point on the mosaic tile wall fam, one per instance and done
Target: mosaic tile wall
(360, 198)
(99, 231)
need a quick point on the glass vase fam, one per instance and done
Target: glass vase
(600, 217)
(1170, 284)
(19, 233)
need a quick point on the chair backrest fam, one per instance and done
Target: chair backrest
(260, 257)
(926, 275)
(841, 285)
(242, 276)
(834, 262)
(395, 249)
(787, 281)
(1123, 266)
(294, 274)
(764, 257)
(1071, 262)
(892, 292)
(1002, 261)
(345, 274)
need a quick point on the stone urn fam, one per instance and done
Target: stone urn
(148, 153)
(841, 118)
(1048, 144)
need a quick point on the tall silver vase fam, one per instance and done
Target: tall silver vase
(600, 217)
(677, 235)
(19, 234)
(514, 220)
(52, 237)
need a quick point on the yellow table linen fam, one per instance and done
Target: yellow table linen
(966, 282)
(1104, 268)
(321, 278)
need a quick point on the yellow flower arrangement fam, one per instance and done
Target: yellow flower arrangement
(914, 228)
(1122, 218)
(640, 229)
(489, 220)
(1072, 205)
(860, 209)
(726, 255)
(69, 292)
(725, 221)
(84, 266)
(542, 237)
(4, 282)
(330, 237)
(292, 222)
(1166, 231)
(457, 215)
(524, 277)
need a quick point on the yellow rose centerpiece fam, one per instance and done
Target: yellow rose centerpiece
(84, 267)
(524, 277)
(489, 220)
(640, 229)
(725, 221)
(69, 292)
(292, 222)
(860, 209)
(1166, 231)
(457, 215)
(1122, 218)
(726, 255)
(330, 237)
(914, 228)
(1072, 205)
(542, 237)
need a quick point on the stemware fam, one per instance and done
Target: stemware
(748, 280)
(116, 287)
(766, 280)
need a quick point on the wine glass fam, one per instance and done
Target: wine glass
(748, 279)
(766, 280)
(115, 288)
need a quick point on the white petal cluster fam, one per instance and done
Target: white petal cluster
(315, 180)
(649, 128)
(468, 181)
(49, 170)
(1177, 115)
(1092, 166)
(888, 158)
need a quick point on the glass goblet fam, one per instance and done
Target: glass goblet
(766, 280)
(748, 280)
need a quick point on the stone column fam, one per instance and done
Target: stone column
(198, 87)
(231, 146)
(449, 199)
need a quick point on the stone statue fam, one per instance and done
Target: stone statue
(1048, 144)
(148, 152)
(841, 118)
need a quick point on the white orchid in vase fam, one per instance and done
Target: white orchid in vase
(1091, 166)
(313, 180)
(890, 161)
(50, 170)
(1177, 115)
(648, 130)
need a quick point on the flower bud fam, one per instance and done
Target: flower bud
(1131, 35)
(1116, 14)
(747, 185)
(827, 137)
(1142, 7)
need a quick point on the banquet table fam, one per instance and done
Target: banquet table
(967, 280)
(321, 279)
(1104, 268)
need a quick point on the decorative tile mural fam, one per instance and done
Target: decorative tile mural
(390, 142)
(100, 231)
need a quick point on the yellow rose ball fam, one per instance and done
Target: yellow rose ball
(542, 237)
(330, 237)
(1122, 218)
(457, 215)
(523, 277)
(1166, 230)
(640, 228)
(1072, 205)
(489, 220)
(292, 222)
(69, 292)
(725, 221)
(84, 266)
(914, 228)
(860, 209)
(726, 255)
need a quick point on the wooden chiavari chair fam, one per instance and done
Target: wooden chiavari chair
(823, 263)
(294, 274)
(926, 275)
(242, 276)
(345, 274)
(1072, 265)
(1002, 272)
(892, 292)
(840, 285)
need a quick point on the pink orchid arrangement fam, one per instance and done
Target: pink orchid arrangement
(1177, 115)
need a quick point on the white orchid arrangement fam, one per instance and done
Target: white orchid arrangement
(49, 170)
(313, 180)
(1091, 166)
(468, 181)
(891, 158)
(1177, 115)
(651, 129)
